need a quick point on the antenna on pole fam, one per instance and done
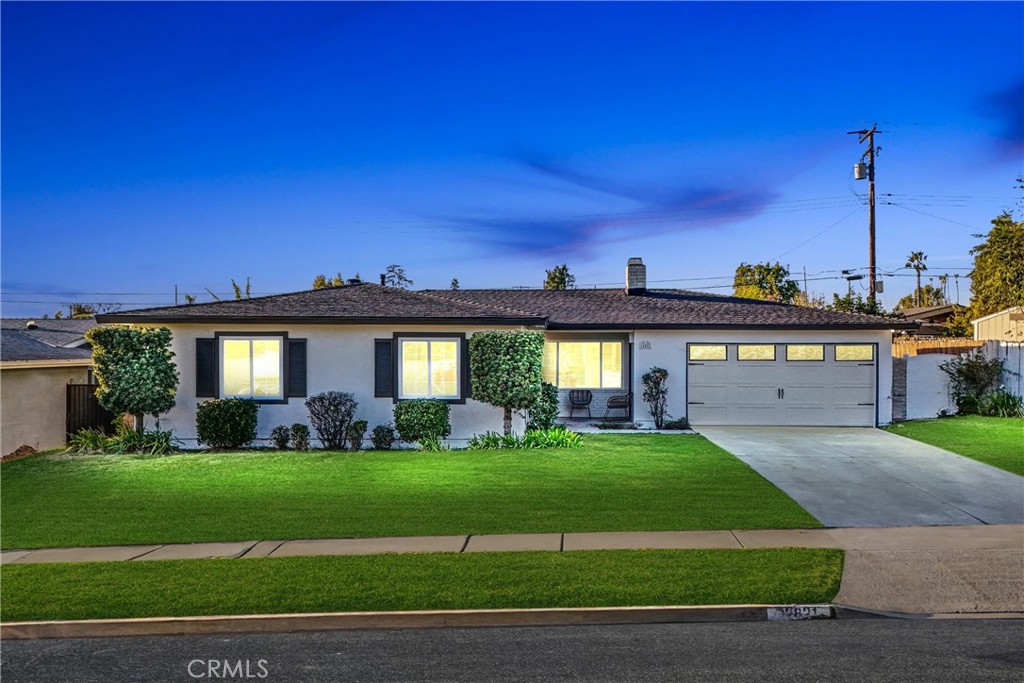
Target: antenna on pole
(866, 170)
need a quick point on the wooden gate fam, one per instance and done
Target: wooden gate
(84, 410)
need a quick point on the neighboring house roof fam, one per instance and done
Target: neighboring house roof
(929, 313)
(52, 332)
(17, 346)
(1011, 310)
(567, 309)
(45, 340)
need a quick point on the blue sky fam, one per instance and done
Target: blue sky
(148, 145)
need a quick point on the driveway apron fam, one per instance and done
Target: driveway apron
(870, 478)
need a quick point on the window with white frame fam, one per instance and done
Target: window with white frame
(429, 368)
(252, 367)
(583, 365)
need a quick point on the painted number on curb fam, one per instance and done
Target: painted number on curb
(799, 613)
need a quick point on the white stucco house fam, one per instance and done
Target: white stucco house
(730, 360)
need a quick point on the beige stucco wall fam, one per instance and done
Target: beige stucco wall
(33, 405)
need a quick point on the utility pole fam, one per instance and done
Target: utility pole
(860, 173)
(175, 295)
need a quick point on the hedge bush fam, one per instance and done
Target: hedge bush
(383, 437)
(422, 419)
(331, 413)
(356, 433)
(300, 437)
(227, 422)
(280, 436)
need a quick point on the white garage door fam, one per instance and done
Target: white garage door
(781, 384)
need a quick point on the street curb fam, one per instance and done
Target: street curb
(340, 621)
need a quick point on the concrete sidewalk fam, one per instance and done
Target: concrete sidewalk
(964, 538)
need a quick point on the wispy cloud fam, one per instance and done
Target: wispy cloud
(1006, 110)
(641, 208)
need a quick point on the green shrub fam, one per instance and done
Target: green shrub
(356, 433)
(126, 440)
(300, 437)
(422, 418)
(681, 423)
(1002, 403)
(227, 422)
(383, 437)
(505, 369)
(545, 411)
(331, 413)
(280, 436)
(655, 383)
(487, 440)
(971, 377)
(88, 441)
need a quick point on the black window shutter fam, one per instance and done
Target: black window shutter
(296, 368)
(467, 387)
(206, 367)
(383, 370)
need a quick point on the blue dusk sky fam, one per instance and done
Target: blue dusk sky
(151, 145)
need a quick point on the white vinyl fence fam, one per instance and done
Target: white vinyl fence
(1013, 365)
(927, 388)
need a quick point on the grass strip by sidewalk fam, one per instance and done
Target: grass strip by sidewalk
(996, 441)
(417, 582)
(635, 482)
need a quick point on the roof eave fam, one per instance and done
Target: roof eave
(312, 320)
(725, 326)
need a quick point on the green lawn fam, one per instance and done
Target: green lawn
(614, 483)
(998, 441)
(416, 582)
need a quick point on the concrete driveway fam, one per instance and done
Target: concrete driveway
(871, 478)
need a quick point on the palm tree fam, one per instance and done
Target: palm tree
(916, 261)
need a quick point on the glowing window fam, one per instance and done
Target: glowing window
(707, 352)
(429, 368)
(251, 367)
(755, 351)
(583, 365)
(855, 352)
(803, 352)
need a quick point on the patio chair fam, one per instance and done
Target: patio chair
(580, 399)
(619, 402)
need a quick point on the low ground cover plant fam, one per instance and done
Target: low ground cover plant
(556, 437)
(126, 440)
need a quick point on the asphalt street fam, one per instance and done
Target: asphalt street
(837, 650)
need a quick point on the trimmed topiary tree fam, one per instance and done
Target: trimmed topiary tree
(505, 369)
(134, 370)
(545, 411)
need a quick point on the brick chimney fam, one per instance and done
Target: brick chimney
(636, 276)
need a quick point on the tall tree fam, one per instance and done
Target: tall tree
(927, 296)
(394, 276)
(855, 303)
(134, 369)
(916, 261)
(997, 281)
(559, 277)
(455, 283)
(766, 281)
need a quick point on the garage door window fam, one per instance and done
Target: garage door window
(707, 352)
(755, 351)
(855, 352)
(805, 352)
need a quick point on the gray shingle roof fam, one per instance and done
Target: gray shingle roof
(15, 345)
(666, 308)
(360, 303)
(60, 332)
(572, 309)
